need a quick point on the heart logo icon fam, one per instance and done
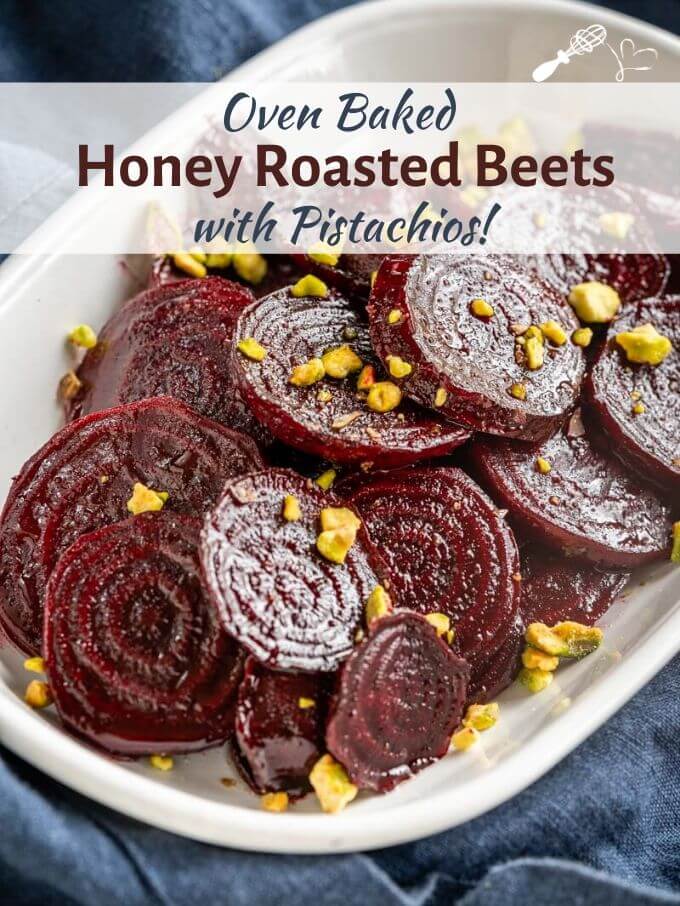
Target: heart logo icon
(632, 59)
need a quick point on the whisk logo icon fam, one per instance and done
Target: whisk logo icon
(586, 40)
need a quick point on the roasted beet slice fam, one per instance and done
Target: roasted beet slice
(280, 720)
(342, 429)
(352, 275)
(556, 589)
(494, 672)
(399, 699)
(276, 594)
(647, 441)
(281, 271)
(82, 479)
(445, 548)
(587, 505)
(137, 660)
(171, 341)
(470, 366)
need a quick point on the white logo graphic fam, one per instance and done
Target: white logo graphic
(628, 57)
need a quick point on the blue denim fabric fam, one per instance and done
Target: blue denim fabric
(602, 828)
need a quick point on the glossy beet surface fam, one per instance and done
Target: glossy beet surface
(82, 479)
(648, 442)
(493, 672)
(288, 605)
(281, 271)
(476, 361)
(279, 734)
(352, 275)
(137, 660)
(399, 699)
(171, 341)
(587, 505)
(343, 429)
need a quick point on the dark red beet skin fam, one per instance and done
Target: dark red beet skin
(289, 606)
(293, 331)
(171, 341)
(493, 671)
(137, 660)
(281, 271)
(587, 506)
(352, 274)
(82, 479)
(649, 442)
(474, 360)
(399, 699)
(278, 739)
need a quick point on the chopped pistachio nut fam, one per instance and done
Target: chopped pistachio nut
(321, 256)
(480, 308)
(145, 500)
(594, 302)
(34, 665)
(519, 391)
(440, 622)
(567, 639)
(331, 784)
(616, 224)
(440, 397)
(341, 361)
(162, 762)
(38, 694)
(307, 374)
(251, 349)
(639, 409)
(394, 317)
(198, 254)
(69, 385)
(533, 659)
(534, 679)
(83, 336)
(543, 465)
(334, 544)
(310, 286)
(274, 802)
(481, 717)
(675, 550)
(533, 350)
(582, 336)
(383, 397)
(306, 703)
(464, 738)
(218, 253)
(344, 421)
(366, 378)
(326, 479)
(644, 345)
(398, 368)
(250, 266)
(378, 605)
(291, 509)
(324, 395)
(188, 264)
(554, 332)
(534, 331)
(337, 517)
(374, 274)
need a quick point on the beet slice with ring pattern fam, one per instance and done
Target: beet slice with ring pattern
(82, 479)
(352, 275)
(470, 367)
(494, 672)
(649, 441)
(276, 594)
(137, 660)
(170, 341)
(342, 429)
(399, 699)
(280, 720)
(586, 506)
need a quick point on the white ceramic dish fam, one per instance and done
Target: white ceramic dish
(398, 40)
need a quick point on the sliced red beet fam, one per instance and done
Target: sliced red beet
(82, 479)
(343, 429)
(649, 441)
(470, 366)
(171, 341)
(288, 605)
(352, 275)
(280, 720)
(281, 271)
(556, 589)
(137, 660)
(587, 505)
(493, 673)
(399, 699)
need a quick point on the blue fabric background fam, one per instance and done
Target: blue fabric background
(603, 828)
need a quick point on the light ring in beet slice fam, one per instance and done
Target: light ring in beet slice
(170, 341)
(280, 720)
(399, 699)
(82, 479)
(469, 366)
(137, 660)
(586, 506)
(343, 429)
(445, 548)
(649, 441)
(285, 603)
